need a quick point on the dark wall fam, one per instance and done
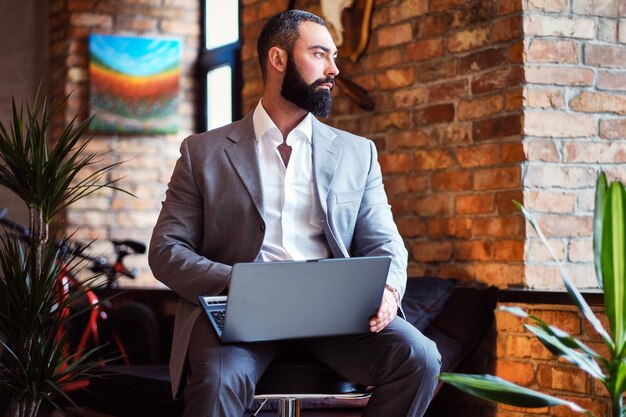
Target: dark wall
(23, 63)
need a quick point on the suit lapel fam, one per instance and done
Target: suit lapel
(325, 159)
(326, 155)
(243, 155)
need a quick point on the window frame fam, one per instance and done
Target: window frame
(209, 59)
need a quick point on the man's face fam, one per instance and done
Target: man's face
(311, 70)
(308, 97)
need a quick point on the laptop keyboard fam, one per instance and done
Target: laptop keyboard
(219, 317)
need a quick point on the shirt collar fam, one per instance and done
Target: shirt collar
(263, 123)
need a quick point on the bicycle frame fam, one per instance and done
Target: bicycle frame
(67, 282)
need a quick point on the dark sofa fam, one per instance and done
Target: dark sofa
(459, 318)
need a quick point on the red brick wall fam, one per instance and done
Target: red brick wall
(149, 160)
(522, 359)
(446, 80)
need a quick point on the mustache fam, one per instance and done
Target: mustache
(327, 80)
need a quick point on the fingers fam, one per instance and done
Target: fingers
(378, 325)
(386, 313)
(381, 321)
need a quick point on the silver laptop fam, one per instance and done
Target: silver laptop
(298, 299)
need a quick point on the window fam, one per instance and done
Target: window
(219, 99)
(219, 65)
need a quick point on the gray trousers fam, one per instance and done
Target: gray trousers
(399, 361)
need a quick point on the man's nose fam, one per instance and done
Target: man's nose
(331, 68)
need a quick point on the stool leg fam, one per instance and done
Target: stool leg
(288, 407)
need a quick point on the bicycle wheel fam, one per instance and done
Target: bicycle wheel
(137, 328)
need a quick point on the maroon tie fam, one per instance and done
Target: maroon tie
(285, 152)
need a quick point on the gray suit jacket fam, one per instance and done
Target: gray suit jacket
(212, 216)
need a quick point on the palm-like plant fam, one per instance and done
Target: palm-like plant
(610, 262)
(48, 174)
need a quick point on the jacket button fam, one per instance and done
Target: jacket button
(262, 226)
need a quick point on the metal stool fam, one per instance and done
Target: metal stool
(291, 379)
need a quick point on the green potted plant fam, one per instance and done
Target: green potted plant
(48, 174)
(609, 238)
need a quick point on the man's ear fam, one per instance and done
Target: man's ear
(277, 59)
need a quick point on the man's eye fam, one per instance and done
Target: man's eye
(319, 55)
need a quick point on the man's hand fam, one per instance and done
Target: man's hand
(386, 313)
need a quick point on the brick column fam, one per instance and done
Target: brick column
(575, 125)
(148, 160)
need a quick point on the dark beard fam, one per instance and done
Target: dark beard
(307, 97)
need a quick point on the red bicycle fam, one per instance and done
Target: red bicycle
(128, 332)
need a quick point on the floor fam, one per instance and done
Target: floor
(84, 412)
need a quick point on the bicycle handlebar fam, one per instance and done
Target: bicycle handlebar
(99, 264)
(22, 230)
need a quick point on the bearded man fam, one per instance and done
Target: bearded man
(280, 185)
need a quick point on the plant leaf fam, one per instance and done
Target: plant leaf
(567, 339)
(35, 362)
(48, 174)
(617, 385)
(572, 355)
(42, 172)
(573, 292)
(598, 221)
(516, 311)
(613, 260)
(497, 389)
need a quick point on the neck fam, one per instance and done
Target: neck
(283, 113)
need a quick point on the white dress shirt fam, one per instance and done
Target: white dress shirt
(293, 228)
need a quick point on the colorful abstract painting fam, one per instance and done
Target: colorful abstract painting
(134, 84)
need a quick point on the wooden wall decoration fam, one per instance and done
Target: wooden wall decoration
(349, 22)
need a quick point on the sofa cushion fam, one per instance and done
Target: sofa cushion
(425, 298)
(463, 323)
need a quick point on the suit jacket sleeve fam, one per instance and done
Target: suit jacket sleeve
(375, 231)
(175, 248)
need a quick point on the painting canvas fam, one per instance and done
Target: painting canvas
(134, 84)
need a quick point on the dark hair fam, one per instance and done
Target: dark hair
(282, 30)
